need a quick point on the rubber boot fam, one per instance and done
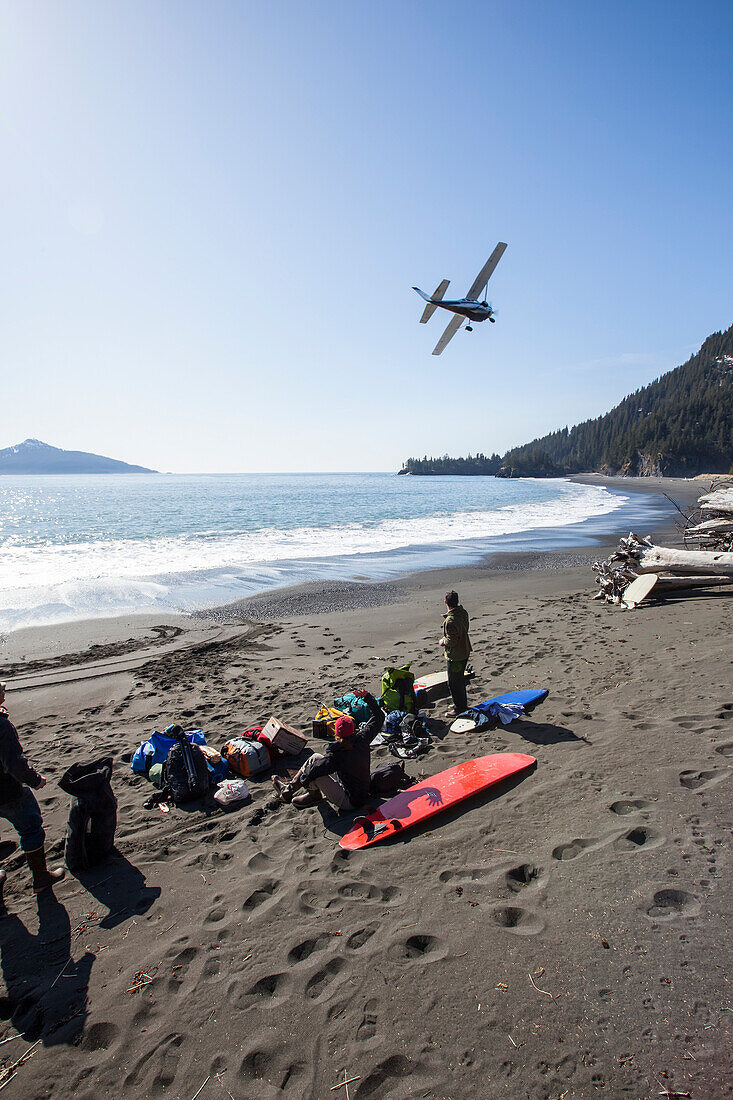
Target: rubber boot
(42, 877)
(309, 797)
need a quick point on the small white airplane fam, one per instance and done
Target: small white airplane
(465, 308)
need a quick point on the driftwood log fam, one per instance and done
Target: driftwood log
(642, 556)
(705, 561)
(673, 584)
(710, 525)
(675, 569)
(719, 501)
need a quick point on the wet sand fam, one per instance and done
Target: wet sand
(566, 937)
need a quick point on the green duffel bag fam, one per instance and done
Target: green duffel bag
(398, 690)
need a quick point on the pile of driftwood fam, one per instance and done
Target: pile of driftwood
(710, 526)
(705, 562)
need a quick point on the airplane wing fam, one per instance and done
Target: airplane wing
(486, 272)
(451, 329)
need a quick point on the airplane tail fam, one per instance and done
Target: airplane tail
(432, 305)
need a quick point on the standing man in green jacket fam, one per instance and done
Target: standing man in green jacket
(457, 649)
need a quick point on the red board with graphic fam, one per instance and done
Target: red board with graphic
(432, 796)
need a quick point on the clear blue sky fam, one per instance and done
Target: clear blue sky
(212, 214)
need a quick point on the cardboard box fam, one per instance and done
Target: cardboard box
(284, 737)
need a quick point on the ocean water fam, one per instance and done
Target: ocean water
(76, 547)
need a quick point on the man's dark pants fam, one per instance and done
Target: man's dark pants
(457, 684)
(24, 815)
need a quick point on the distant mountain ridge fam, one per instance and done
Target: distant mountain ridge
(34, 457)
(678, 426)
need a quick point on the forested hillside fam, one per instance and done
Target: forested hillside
(474, 464)
(678, 426)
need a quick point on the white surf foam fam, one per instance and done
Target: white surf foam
(42, 584)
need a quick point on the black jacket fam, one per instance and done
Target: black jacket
(14, 768)
(350, 759)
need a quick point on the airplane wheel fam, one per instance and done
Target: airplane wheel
(468, 328)
(493, 320)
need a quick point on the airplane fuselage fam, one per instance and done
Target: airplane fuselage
(473, 310)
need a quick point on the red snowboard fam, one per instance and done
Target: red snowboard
(434, 795)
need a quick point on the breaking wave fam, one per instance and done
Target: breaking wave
(57, 581)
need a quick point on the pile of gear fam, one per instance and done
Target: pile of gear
(405, 735)
(184, 768)
(405, 732)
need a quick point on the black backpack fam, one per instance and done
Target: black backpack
(389, 779)
(185, 772)
(90, 833)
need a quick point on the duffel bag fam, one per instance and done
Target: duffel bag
(247, 758)
(398, 690)
(354, 705)
(325, 721)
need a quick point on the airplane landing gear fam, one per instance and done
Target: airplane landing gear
(493, 320)
(468, 328)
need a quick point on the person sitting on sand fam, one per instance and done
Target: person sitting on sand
(457, 649)
(341, 774)
(18, 804)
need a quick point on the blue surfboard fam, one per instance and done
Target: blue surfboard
(481, 715)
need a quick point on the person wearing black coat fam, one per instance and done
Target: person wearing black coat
(19, 806)
(342, 773)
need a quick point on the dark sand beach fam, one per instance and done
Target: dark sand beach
(564, 938)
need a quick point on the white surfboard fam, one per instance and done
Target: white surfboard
(435, 684)
(463, 725)
(638, 590)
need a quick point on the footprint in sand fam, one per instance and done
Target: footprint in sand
(302, 951)
(260, 896)
(259, 862)
(419, 947)
(364, 891)
(626, 806)
(164, 1056)
(215, 915)
(725, 750)
(668, 904)
(320, 984)
(99, 1036)
(695, 781)
(181, 963)
(387, 1072)
(573, 849)
(520, 921)
(359, 938)
(270, 989)
(368, 1026)
(466, 874)
(339, 861)
(268, 986)
(640, 837)
(256, 1063)
(526, 874)
(211, 969)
